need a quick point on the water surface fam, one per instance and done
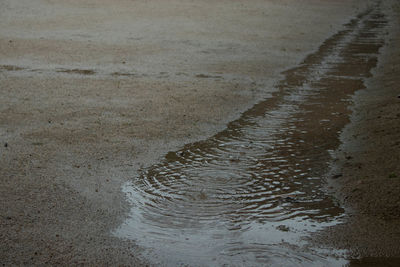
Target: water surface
(253, 193)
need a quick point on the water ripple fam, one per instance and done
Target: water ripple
(248, 193)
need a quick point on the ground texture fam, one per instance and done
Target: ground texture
(92, 90)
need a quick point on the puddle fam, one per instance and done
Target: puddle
(252, 193)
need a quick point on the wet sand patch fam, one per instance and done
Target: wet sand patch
(10, 68)
(77, 71)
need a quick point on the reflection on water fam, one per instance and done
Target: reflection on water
(250, 193)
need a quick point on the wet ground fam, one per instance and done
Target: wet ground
(95, 93)
(254, 192)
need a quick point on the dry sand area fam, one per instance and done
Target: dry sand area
(92, 90)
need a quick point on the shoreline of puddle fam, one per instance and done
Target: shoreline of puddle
(252, 193)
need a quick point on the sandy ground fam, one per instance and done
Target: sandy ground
(93, 90)
(367, 171)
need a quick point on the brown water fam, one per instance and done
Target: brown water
(252, 193)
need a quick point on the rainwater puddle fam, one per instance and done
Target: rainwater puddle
(253, 193)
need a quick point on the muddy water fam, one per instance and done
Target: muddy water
(250, 194)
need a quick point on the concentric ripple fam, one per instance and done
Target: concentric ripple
(248, 193)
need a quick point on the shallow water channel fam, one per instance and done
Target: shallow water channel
(253, 193)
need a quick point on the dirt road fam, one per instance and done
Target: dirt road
(91, 91)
